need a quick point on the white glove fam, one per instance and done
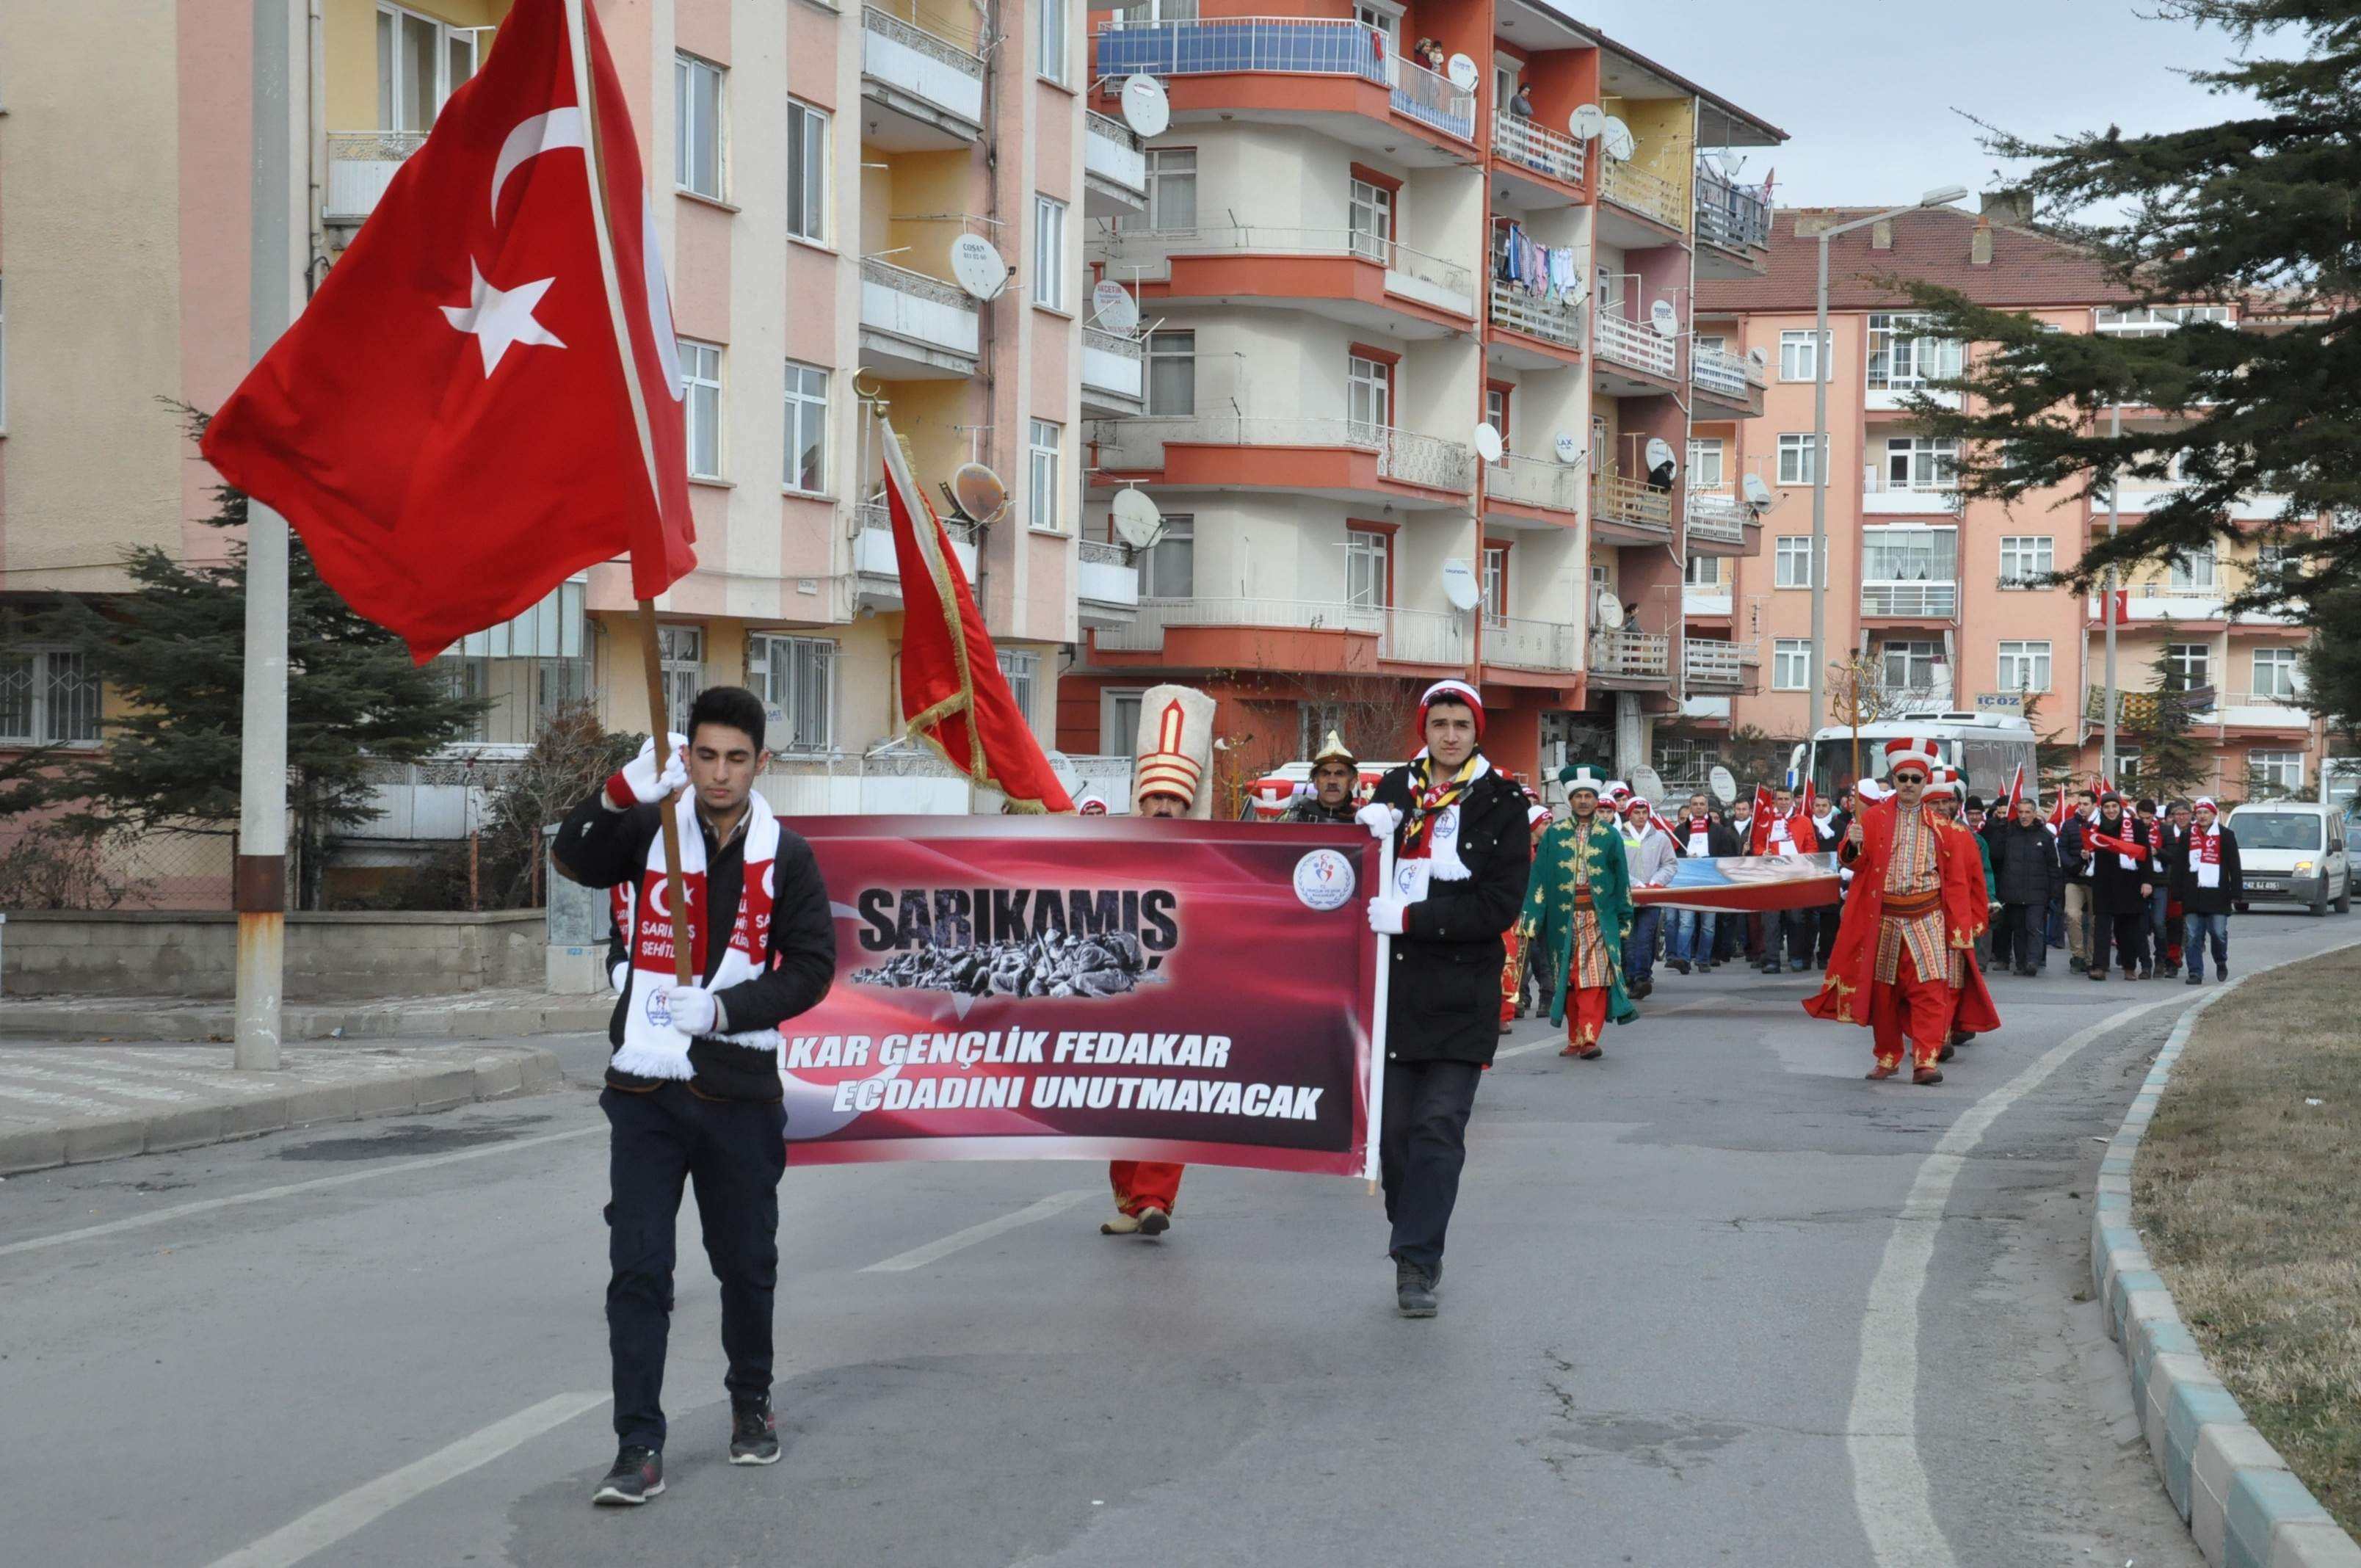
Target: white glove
(1386, 914)
(692, 1009)
(1380, 819)
(646, 785)
(621, 976)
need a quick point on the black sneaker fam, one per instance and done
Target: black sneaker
(753, 1435)
(637, 1476)
(1413, 1289)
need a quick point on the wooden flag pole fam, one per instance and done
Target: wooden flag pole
(659, 724)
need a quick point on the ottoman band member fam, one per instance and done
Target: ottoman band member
(1579, 909)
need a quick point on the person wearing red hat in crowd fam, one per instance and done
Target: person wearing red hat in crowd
(1518, 976)
(2123, 876)
(1787, 830)
(1461, 852)
(2208, 881)
(1698, 834)
(1901, 965)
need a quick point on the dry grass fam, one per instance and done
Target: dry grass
(2249, 1195)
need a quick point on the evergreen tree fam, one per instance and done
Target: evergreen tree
(2160, 723)
(172, 654)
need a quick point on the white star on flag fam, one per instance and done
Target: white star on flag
(500, 317)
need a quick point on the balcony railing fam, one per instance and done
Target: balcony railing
(1535, 482)
(875, 518)
(361, 164)
(1448, 278)
(1433, 100)
(1632, 504)
(1298, 46)
(1535, 145)
(934, 316)
(904, 58)
(1424, 637)
(1530, 645)
(1642, 655)
(1643, 191)
(1706, 662)
(1113, 151)
(1634, 344)
(1145, 633)
(1112, 363)
(1553, 318)
(1721, 519)
(1934, 601)
(1727, 375)
(1403, 456)
(1730, 217)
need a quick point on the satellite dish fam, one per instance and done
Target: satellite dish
(1660, 452)
(1647, 781)
(1617, 138)
(1462, 71)
(1758, 356)
(1569, 450)
(1586, 121)
(1730, 161)
(1112, 303)
(1488, 443)
(1137, 521)
(1665, 319)
(1756, 492)
(1724, 786)
(1606, 608)
(1459, 585)
(981, 493)
(1145, 109)
(977, 267)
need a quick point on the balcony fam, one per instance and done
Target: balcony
(1548, 318)
(1630, 658)
(1644, 192)
(2141, 501)
(1634, 345)
(1107, 584)
(1349, 275)
(1343, 459)
(1732, 379)
(1371, 632)
(1881, 495)
(1910, 601)
(1625, 512)
(1716, 524)
(1115, 169)
(1522, 146)
(1548, 647)
(1111, 374)
(1706, 601)
(914, 327)
(2152, 602)
(1706, 662)
(1542, 483)
(361, 164)
(877, 573)
(2276, 710)
(1733, 228)
(931, 88)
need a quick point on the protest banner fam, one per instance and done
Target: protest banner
(1748, 884)
(1092, 988)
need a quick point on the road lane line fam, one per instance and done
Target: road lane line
(209, 1205)
(918, 1257)
(333, 1520)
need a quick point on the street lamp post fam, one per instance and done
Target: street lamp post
(1817, 565)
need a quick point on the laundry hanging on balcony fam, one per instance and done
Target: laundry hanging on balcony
(1551, 271)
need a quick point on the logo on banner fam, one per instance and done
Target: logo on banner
(658, 1013)
(1323, 880)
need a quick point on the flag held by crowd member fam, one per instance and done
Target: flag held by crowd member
(2016, 790)
(1758, 828)
(953, 696)
(484, 397)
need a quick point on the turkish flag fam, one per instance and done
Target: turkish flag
(484, 397)
(1758, 835)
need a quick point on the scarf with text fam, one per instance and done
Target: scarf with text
(652, 1048)
(2205, 854)
(1429, 840)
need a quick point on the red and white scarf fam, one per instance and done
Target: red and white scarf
(2205, 853)
(652, 1048)
(1429, 840)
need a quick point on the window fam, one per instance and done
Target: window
(2023, 558)
(1796, 356)
(1042, 494)
(2279, 772)
(2024, 666)
(420, 64)
(2273, 562)
(807, 172)
(1921, 463)
(796, 678)
(696, 125)
(1018, 669)
(806, 429)
(1715, 343)
(1703, 572)
(1910, 666)
(1796, 465)
(2155, 321)
(1496, 412)
(2275, 673)
(1909, 555)
(1789, 563)
(700, 370)
(1119, 721)
(1367, 583)
(1172, 189)
(1369, 215)
(1369, 391)
(1052, 42)
(1050, 252)
(1705, 464)
(2188, 665)
(1168, 568)
(1791, 664)
(1387, 21)
(1901, 359)
(45, 698)
(2194, 570)
(680, 650)
(1598, 444)
(1172, 373)
(1496, 584)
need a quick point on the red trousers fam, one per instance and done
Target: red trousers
(1143, 1183)
(1919, 1008)
(1586, 1015)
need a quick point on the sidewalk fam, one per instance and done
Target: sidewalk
(70, 1104)
(461, 1015)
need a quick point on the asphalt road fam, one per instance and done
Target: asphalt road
(1710, 1299)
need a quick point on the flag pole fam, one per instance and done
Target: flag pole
(659, 726)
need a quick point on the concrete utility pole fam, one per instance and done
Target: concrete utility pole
(261, 882)
(2114, 525)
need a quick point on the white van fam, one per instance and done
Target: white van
(2292, 852)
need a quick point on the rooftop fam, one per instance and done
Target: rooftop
(1934, 245)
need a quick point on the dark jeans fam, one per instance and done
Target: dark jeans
(734, 1152)
(1827, 920)
(2016, 936)
(1640, 943)
(2162, 936)
(2123, 927)
(1424, 1143)
(2203, 929)
(1791, 926)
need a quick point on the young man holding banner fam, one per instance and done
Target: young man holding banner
(1460, 859)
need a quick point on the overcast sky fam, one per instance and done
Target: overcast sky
(1867, 90)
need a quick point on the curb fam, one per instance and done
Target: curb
(2242, 1504)
(313, 1021)
(497, 1073)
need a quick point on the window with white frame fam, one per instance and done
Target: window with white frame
(1496, 584)
(1791, 664)
(1367, 583)
(1796, 356)
(1796, 465)
(700, 372)
(2275, 673)
(1369, 391)
(2024, 666)
(1050, 252)
(1921, 463)
(1909, 555)
(1172, 373)
(806, 448)
(2194, 570)
(1705, 463)
(1168, 568)
(2025, 559)
(2279, 772)
(1901, 356)
(1369, 218)
(1703, 572)
(1050, 40)
(2154, 320)
(1119, 720)
(2273, 562)
(1172, 189)
(680, 654)
(2188, 665)
(1791, 561)
(420, 64)
(47, 698)
(1042, 492)
(807, 172)
(796, 677)
(696, 161)
(1496, 412)
(1598, 444)
(1909, 666)
(1018, 668)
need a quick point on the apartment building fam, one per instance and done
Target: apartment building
(1940, 593)
(813, 166)
(1372, 229)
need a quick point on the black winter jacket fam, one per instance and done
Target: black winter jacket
(1719, 837)
(1442, 1000)
(2211, 900)
(2115, 888)
(2025, 862)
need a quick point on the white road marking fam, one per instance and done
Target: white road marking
(918, 1257)
(209, 1205)
(339, 1518)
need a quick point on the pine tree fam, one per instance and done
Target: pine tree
(171, 653)
(2258, 212)
(2172, 761)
